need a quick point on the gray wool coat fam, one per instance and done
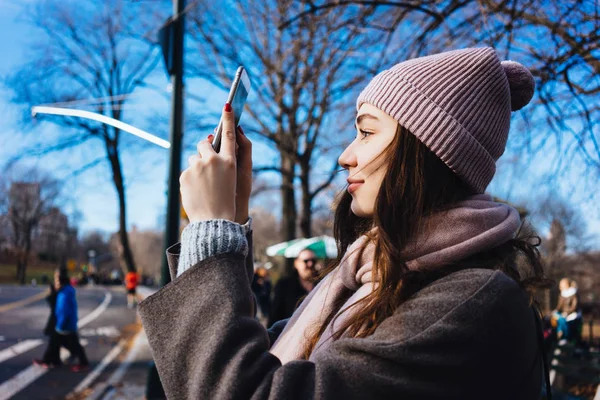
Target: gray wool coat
(468, 335)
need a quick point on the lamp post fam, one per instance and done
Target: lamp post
(171, 40)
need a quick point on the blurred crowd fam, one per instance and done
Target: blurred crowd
(279, 302)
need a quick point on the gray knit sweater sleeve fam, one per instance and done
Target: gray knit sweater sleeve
(204, 239)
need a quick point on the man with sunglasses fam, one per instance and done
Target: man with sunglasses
(290, 290)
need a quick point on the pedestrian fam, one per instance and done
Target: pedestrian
(66, 320)
(424, 301)
(291, 289)
(261, 287)
(131, 282)
(65, 330)
(567, 312)
(51, 357)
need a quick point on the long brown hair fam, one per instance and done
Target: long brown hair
(416, 184)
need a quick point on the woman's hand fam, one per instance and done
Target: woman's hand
(210, 183)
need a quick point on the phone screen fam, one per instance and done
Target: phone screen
(237, 99)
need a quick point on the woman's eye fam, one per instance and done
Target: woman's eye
(365, 134)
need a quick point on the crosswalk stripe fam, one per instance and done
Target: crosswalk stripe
(100, 367)
(26, 345)
(20, 381)
(33, 372)
(28, 375)
(117, 376)
(19, 348)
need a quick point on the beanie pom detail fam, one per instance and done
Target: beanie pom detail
(521, 84)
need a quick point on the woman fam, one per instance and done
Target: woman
(425, 300)
(51, 356)
(567, 312)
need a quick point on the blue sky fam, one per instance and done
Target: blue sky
(93, 192)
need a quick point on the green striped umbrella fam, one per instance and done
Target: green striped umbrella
(322, 246)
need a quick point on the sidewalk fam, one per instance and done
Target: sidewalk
(128, 382)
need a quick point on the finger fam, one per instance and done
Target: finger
(244, 156)
(210, 140)
(205, 149)
(228, 135)
(193, 159)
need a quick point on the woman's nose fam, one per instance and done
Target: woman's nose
(347, 159)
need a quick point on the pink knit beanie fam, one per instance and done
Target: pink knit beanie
(458, 104)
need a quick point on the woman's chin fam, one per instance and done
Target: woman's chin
(360, 211)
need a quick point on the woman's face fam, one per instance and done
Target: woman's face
(375, 130)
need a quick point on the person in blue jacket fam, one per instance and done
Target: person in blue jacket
(65, 331)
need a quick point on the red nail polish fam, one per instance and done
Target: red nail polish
(210, 138)
(227, 107)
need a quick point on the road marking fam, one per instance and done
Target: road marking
(27, 345)
(19, 348)
(109, 331)
(99, 368)
(110, 395)
(25, 377)
(107, 388)
(33, 372)
(139, 340)
(94, 314)
(117, 376)
(24, 302)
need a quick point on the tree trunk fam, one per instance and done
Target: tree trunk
(21, 269)
(306, 216)
(21, 266)
(23, 256)
(115, 163)
(288, 205)
(26, 253)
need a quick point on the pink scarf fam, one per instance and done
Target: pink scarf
(471, 226)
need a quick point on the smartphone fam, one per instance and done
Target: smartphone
(240, 88)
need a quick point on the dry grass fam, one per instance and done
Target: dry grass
(8, 273)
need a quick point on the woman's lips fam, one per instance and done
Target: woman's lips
(354, 186)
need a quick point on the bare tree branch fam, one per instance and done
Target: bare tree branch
(90, 51)
(258, 170)
(334, 172)
(314, 8)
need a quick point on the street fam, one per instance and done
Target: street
(108, 332)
